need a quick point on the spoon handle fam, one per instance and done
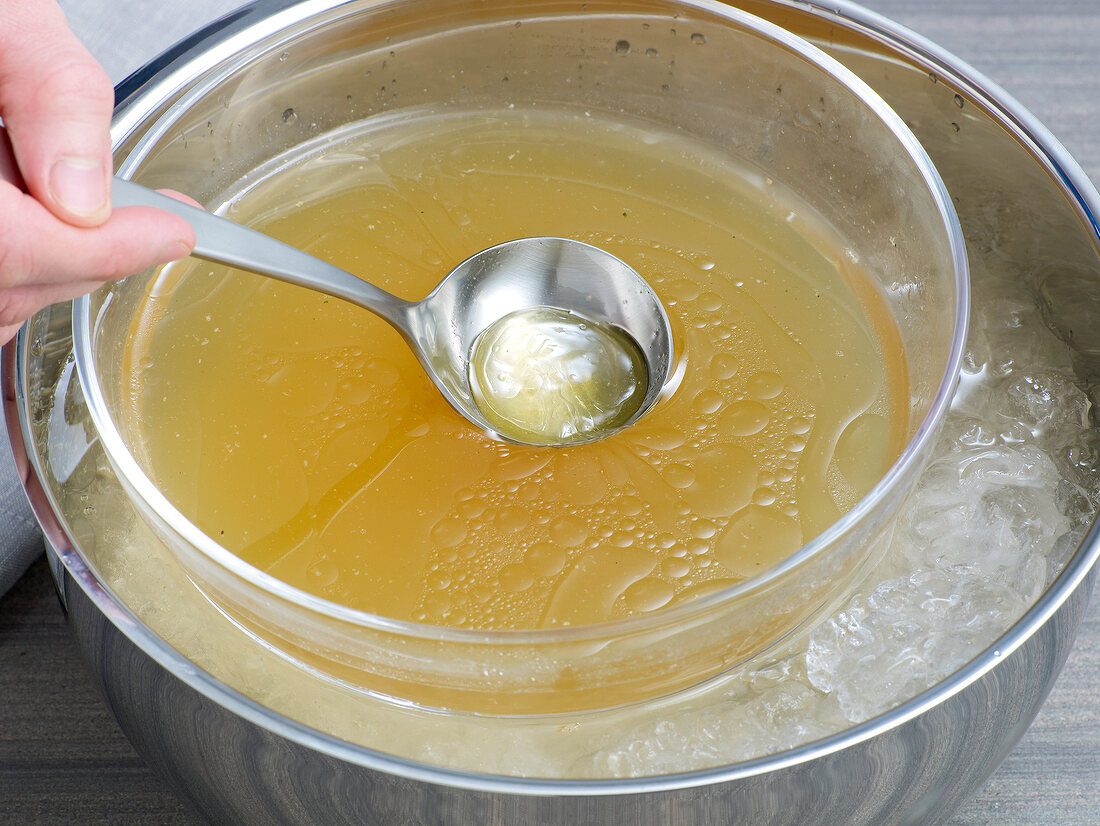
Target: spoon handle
(226, 242)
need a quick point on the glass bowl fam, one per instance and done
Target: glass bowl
(721, 76)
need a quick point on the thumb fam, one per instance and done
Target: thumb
(55, 102)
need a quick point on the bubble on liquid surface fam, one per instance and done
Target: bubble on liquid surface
(724, 366)
(511, 519)
(647, 594)
(708, 401)
(522, 465)
(568, 531)
(765, 385)
(679, 475)
(545, 559)
(745, 418)
(725, 477)
(516, 577)
(662, 439)
(448, 532)
(674, 568)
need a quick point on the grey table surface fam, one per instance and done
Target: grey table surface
(63, 760)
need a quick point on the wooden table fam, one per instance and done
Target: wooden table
(62, 759)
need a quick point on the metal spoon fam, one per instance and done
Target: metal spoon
(443, 327)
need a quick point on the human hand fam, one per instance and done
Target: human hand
(59, 237)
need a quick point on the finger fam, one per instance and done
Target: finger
(56, 102)
(8, 331)
(9, 171)
(20, 303)
(44, 260)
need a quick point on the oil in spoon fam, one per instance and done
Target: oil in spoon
(546, 376)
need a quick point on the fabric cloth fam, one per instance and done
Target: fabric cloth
(20, 541)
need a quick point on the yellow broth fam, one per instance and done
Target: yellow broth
(301, 433)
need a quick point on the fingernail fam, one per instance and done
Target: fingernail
(79, 185)
(173, 252)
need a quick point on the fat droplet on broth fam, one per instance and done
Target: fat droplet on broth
(647, 594)
(765, 385)
(859, 455)
(723, 366)
(568, 531)
(725, 477)
(545, 559)
(756, 539)
(589, 591)
(745, 418)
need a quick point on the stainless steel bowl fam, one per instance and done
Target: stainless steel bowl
(751, 94)
(238, 762)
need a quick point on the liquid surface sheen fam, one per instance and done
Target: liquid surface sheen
(546, 376)
(301, 433)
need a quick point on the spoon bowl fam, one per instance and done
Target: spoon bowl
(586, 286)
